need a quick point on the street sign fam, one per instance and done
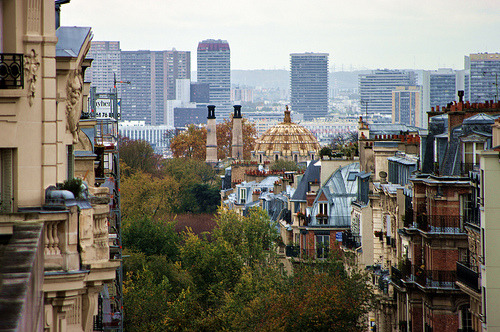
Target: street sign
(104, 108)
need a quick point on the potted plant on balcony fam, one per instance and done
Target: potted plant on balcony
(379, 234)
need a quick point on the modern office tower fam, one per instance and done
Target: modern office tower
(309, 84)
(152, 76)
(484, 71)
(214, 68)
(105, 65)
(439, 88)
(406, 105)
(375, 90)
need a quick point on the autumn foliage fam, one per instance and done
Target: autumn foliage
(192, 142)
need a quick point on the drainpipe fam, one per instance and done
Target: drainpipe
(58, 4)
(407, 313)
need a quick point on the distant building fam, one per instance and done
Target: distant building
(440, 87)
(157, 136)
(152, 76)
(200, 93)
(214, 68)
(239, 95)
(184, 116)
(309, 84)
(406, 105)
(484, 71)
(105, 66)
(375, 90)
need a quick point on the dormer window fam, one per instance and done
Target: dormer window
(322, 216)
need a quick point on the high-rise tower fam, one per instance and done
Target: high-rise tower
(105, 66)
(309, 84)
(375, 90)
(214, 68)
(152, 76)
(484, 76)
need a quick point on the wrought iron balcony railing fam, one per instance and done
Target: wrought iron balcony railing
(11, 71)
(440, 224)
(433, 278)
(468, 276)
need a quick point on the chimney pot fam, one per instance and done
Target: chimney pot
(237, 112)
(211, 112)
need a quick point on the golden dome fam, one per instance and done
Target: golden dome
(287, 139)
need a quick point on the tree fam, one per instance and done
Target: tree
(152, 237)
(225, 138)
(234, 282)
(198, 184)
(138, 155)
(146, 196)
(287, 165)
(192, 142)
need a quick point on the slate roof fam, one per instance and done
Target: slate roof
(311, 174)
(341, 192)
(71, 40)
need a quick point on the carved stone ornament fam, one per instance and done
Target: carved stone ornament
(74, 102)
(31, 65)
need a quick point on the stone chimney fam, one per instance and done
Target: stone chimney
(211, 136)
(237, 146)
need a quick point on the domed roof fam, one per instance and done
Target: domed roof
(287, 138)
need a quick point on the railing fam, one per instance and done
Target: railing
(11, 71)
(465, 168)
(434, 278)
(468, 276)
(397, 276)
(349, 241)
(408, 221)
(440, 224)
(51, 241)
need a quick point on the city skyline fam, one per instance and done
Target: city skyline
(383, 34)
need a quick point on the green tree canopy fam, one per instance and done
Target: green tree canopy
(139, 155)
(235, 282)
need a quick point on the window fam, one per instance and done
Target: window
(71, 162)
(243, 195)
(6, 180)
(322, 246)
(322, 216)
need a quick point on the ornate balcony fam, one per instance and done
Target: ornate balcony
(440, 224)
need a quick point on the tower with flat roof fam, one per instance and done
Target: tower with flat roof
(214, 68)
(309, 84)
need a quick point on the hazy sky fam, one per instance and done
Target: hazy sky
(420, 34)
